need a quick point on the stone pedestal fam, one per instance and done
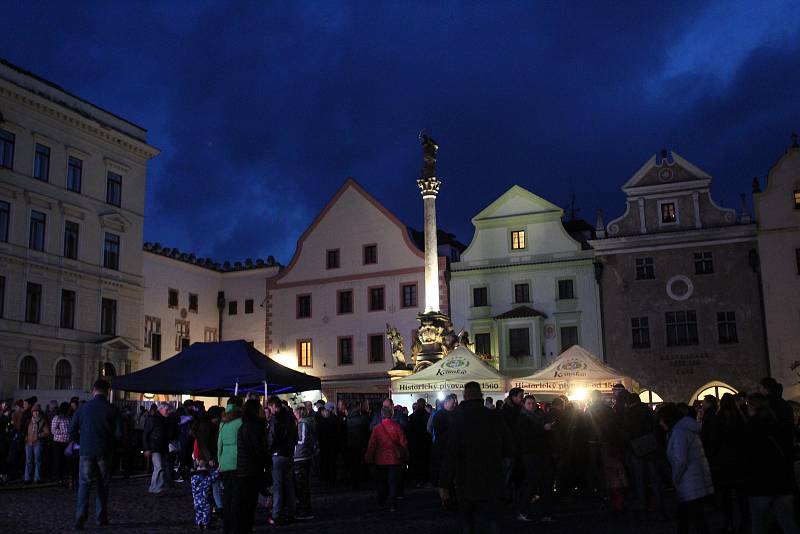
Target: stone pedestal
(435, 336)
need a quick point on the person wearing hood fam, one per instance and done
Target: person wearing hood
(691, 473)
(303, 451)
(227, 454)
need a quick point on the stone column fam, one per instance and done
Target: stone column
(431, 255)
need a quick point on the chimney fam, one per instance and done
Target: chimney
(756, 185)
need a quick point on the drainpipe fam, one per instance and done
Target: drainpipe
(220, 309)
(755, 264)
(598, 278)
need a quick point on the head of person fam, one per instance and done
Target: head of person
(419, 405)
(164, 408)
(101, 387)
(669, 415)
(529, 403)
(365, 407)
(489, 403)
(450, 402)
(29, 402)
(710, 404)
(251, 410)
(387, 412)
(769, 387)
(36, 412)
(309, 407)
(274, 404)
(214, 414)
(300, 412)
(595, 397)
(387, 402)
(472, 391)
(758, 407)
(63, 409)
(558, 404)
(498, 404)
(515, 396)
(320, 405)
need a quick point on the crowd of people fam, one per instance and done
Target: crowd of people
(734, 456)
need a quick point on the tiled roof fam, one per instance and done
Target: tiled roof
(208, 263)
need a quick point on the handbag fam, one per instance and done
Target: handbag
(644, 445)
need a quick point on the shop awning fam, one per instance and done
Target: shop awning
(450, 374)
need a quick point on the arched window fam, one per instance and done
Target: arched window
(63, 375)
(650, 397)
(717, 389)
(28, 372)
(107, 370)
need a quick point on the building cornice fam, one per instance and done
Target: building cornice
(677, 239)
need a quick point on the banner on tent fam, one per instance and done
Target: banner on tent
(445, 385)
(566, 387)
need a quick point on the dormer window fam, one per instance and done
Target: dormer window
(518, 240)
(669, 215)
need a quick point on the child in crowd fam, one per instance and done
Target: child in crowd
(202, 477)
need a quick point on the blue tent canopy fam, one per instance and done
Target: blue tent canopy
(214, 369)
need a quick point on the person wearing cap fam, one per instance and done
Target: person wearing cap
(96, 427)
(36, 432)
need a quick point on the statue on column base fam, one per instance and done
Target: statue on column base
(435, 337)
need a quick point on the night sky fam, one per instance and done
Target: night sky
(263, 109)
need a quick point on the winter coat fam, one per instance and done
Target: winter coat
(37, 431)
(477, 444)
(282, 435)
(304, 448)
(205, 435)
(95, 427)
(691, 474)
(156, 436)
(386, 444)
(769, 463)
(357, 432)
(251, 447)
(529, 432)
(227, 450)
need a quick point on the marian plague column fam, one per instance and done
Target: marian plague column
(435, 334)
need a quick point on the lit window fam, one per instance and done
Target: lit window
(518, 239)
(797, 199)
(668, 213)
(304, 357)
(210, 335)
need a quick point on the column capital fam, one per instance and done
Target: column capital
(429, 187)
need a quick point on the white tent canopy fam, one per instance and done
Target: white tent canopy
(575, 369)
(450, 374)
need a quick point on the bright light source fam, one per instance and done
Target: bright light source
(578, 395)
(440, 395)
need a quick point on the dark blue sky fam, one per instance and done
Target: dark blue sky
(263, 109)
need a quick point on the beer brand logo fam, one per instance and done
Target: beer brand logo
(453, 366)
(572, 365)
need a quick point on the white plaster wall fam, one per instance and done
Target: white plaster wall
(547, 237)
(239, 286)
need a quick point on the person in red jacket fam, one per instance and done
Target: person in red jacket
(388, 450)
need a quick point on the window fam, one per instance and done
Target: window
(569, 337)
(63, 378)
(726, 324)
(376, 301)
(33, 303)
(408, 293)
(518, 240)
(155, 347)
(668, 213)
(2, 296)
(192, 303)
(106, 370)
(67, 309)
(370, 254)
(640, 328)
(345, 350)
(681, 328)
(108, 317)
(181, 334)
(248, 306)
(480, 296)
(38, 223)
(566, 289)
(345, 302)
(483, 344)
(522, 293)
(172, 298)
(703, 263)
(152, 326)
(233, 307)
(71, 233)
(41, 162)
(6, 149)
(5, 218)
(376, 348)
(304, 356)
(332, 259)
(210, 335)
(644, 269)
(74, 173)
(111, 252)
(28, 371)
(113, 189)
(303, 306)
(797, 199)
(518, 342)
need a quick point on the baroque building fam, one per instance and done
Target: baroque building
(525, 290)
(681, 297)
(72, 184)
(777, 211)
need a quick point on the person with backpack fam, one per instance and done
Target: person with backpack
(388, 451)
(282, 438)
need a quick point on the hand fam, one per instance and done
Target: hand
(548, 426)
(444, 494)
(147, 454)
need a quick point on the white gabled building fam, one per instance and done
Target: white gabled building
(524, 289)
(356, 268)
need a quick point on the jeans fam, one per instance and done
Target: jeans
(387, 482)
(33, 458)
(302, 475)
(103, 468)
(764, 509)
(282, 487)
(216, 491)
(642, 470)
(162, 472)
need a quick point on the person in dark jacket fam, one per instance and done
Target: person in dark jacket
(251, 460)
(282, 439)
(440, 426)
(476, 446)
(328, 439)
(641, 451)
(357, 439)
(303, 452)
(527, 435)
(419, 444)
(156, 438)
(770, 477)
(728, 472)
(96, 427)
(510, 413)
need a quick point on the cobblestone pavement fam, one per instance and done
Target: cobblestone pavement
(132, 510)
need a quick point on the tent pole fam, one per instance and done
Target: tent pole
(236, 390)
(266, 392)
